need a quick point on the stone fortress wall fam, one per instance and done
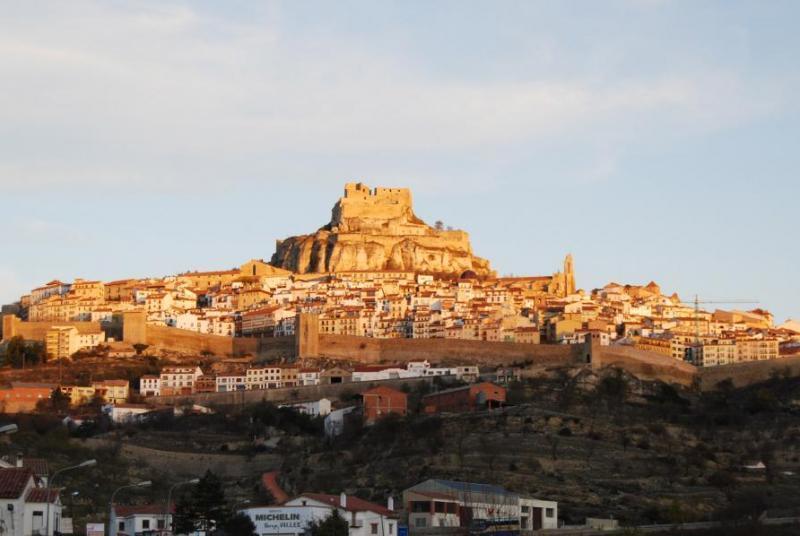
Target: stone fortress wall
(309, 343)
(36, 331)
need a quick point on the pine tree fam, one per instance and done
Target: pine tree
(203, 509)
(333, 525)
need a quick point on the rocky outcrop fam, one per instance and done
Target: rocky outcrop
(376, 230)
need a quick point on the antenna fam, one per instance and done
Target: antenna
(697, 301)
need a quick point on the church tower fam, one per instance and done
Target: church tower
(569, 274)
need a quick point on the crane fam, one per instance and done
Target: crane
(696, 303)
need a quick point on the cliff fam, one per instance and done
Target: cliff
(374, 230)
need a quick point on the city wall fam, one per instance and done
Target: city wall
(36, 331)
(644, 365)
(137, 330)
(285, 394)
(371, 350)
(742, 374)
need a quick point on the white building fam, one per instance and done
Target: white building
(268, 377)
(371, 373)
(150, 386)
(128, 413)
(293, 518)
(24, 504)
(130, 520)
(308, 376)
(227, 383)
(446, 503)
(179, 380)
(334, 421)
(315, 408)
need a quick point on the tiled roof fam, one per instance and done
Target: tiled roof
(354, 504)
(38, 466)
(13, 482)
(42, 495)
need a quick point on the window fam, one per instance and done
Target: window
(438, 507)
(121, 525)
(391, 528)
(420, 506)
(420, 522)
(374, 528)
(160, 524)
(549, 512)
(145, 524)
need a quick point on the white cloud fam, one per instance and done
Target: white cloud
(110, 95)
(40, 231)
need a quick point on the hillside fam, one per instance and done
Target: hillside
(601, 445)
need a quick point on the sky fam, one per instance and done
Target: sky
(652, 139)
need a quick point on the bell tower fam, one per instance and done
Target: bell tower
(569, 274)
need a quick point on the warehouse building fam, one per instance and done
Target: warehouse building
(438, 503)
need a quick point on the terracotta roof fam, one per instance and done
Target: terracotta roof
(13, 481)
(42, 495)
(39, 466)
(354, 504)
(383, 390)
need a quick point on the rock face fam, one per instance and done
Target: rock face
(376, 230)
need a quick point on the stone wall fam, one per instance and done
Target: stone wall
(370, 350)
(36, 331)
(137, 330)
(194, 463)
(742, 374)
(644, 365)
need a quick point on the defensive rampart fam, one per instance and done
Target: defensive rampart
(742, 374)
(644, 365)
(137, 330)
(36, 331)
(371, 350)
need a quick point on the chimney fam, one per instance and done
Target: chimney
(390, 503)
(343, 500)
(19, 459)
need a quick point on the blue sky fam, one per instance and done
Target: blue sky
(653, 139)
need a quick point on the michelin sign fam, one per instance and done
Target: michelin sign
(285, 520)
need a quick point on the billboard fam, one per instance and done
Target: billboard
(282, 520)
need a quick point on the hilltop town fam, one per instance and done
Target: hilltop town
(378, 271)
(378, 328)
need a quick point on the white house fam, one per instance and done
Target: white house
(227, 383)
(308, 376)
(179, 380)
(150, 386)
(314, 408)
(267, 377)
(334, 421)
(24, 504)
(293, 517)
(130, 520)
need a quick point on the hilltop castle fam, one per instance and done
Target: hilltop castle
(375, 230)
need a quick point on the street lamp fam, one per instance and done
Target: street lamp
(9, 429)
(112, 514)
(167, 513)
(51, 485)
